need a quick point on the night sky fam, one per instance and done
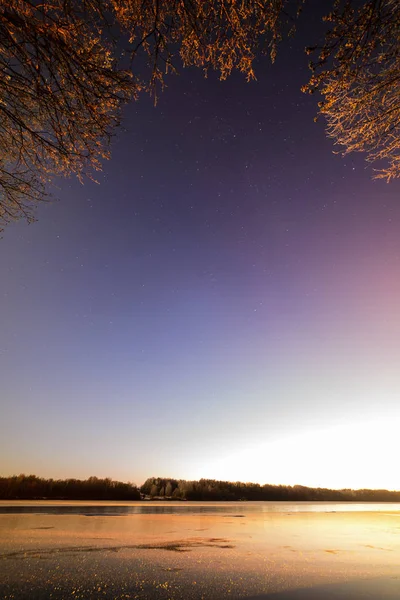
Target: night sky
(225, 303)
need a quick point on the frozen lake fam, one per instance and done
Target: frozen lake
(182, 550)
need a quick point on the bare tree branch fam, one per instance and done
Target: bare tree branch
(358, 74)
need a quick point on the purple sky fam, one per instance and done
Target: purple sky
(231, 283)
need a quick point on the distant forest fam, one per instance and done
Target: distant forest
(30, 487)
(209, 489)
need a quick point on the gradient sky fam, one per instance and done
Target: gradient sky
(224, 304)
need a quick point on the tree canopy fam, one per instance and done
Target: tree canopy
(68, 66)
(358, 73)
(60, 94)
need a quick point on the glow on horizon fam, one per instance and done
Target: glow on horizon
(353, 456)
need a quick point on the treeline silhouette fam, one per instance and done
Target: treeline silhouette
(30, 487)
(210, 489)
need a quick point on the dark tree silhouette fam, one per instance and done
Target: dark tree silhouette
(30, 487)
(210, 489)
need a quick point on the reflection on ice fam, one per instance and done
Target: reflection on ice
(177, 508)
(184, 551)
